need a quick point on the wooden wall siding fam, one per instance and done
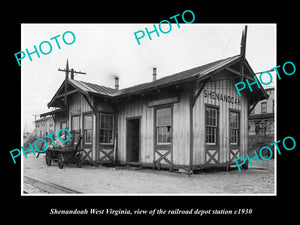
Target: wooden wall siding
(181, 133)
(220, 84)
(102, 106)
(181, 130)
(75, 103)
(58, 119)
(78, 106)
(134, 109)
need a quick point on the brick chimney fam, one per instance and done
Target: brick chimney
(116, 83)
(154, 73)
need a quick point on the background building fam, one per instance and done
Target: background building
(261, 121)
(43, 127)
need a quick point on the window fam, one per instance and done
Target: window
(75, 126)
(234, 127)
(262, 129)
(87, 128)
(106, 128)
(75, 122)
(163, 125)
(263, 107)
(211, 124)
(63, 125)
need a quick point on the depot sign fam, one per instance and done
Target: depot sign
(221, 97)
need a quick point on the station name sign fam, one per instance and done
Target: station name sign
(220, 97)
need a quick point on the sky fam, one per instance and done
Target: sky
(105, 50)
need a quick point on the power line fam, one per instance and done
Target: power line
(229, 42)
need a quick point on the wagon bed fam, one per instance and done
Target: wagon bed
(66, 155)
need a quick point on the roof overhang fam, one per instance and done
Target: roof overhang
(257, 94)
(58, 99)
(200, 73)
(53, 112)
(203, 74)
(261, 116)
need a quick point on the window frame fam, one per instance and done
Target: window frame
(84, 129)
(156, 126)
(72, 117)
(107, 129)
(214, 107)
(262, 131)
(61, 124)
(76, 132)
(238, 128)
(266, 107)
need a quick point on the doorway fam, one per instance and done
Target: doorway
(133, 140)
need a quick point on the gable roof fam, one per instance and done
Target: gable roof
(200, 72)
(184, 76)
(93, 88)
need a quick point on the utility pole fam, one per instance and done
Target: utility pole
(72, 71)
(243, 51)
(35, 115)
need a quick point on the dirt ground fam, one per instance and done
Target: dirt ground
(124, 180)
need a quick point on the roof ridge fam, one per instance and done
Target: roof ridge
(205, 68)
(95, 84)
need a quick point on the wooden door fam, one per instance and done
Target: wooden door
(133, 140)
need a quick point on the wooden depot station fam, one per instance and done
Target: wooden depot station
(190, 120)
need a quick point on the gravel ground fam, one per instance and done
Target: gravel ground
(123, 180)
(29, 189)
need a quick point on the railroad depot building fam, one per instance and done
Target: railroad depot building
(191, 119)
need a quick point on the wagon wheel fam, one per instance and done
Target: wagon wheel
(61, 161)
(79, 161)
(48, 158)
